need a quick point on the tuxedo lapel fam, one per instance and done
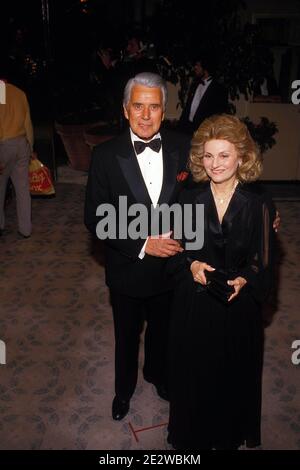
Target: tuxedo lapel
(238, 200)
(133, 175)
(131, 170)
(204, 197)
(205, 100)
(170, 167)
(192, 92)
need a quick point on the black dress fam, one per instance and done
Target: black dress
(216, 350)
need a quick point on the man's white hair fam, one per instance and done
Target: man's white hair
(147, 79)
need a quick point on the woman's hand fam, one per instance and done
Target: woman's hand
(197, 269)
(237, 283)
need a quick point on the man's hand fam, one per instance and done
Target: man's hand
(277, 222)
(162, 247)
(197, 269)
(237, 283)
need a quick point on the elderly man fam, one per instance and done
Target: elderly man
(143, 164)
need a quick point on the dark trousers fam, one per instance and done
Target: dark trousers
(129, 314)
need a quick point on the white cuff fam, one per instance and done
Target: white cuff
(142, 252)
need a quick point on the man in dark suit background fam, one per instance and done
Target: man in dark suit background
(148, 174)
(205, 98)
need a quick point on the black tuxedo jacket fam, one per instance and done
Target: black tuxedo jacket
(115, 172)
(214, 101)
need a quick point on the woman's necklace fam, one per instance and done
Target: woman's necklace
(224, 198)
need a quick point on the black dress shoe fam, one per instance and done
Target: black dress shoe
(120, 408)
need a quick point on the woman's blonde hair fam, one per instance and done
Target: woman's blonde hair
(226, 127)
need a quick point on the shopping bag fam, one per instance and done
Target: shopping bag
(40, 182)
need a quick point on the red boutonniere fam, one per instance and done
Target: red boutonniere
(182, 176)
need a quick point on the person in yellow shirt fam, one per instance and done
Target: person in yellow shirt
(16, 144)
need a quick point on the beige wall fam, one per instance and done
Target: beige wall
(172, 111)
(282, 162)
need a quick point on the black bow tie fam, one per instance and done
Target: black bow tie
(140, 146)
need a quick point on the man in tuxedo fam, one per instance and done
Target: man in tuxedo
(205, 98)
(147, 165)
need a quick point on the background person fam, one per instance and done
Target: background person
(206, 97)
(16, 144)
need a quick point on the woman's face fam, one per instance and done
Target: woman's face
(220, 160)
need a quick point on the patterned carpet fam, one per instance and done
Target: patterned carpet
(55, 319)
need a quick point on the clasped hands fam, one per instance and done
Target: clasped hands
(162, 246)
(198, 269)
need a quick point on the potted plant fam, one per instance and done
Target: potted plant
(71, 128)
(241, 58)
(262, 132)
(81, 124)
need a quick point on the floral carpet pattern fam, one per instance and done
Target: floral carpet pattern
(55, 320)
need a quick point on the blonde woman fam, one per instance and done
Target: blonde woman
(216, 343)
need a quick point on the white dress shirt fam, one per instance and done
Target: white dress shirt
(264, 88)
(199, 93)
(151, 166)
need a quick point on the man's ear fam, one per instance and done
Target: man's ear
(163, 116)
(125, 112)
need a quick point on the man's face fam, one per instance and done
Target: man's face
(132, 46)
(145, 111)
(198, 69)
